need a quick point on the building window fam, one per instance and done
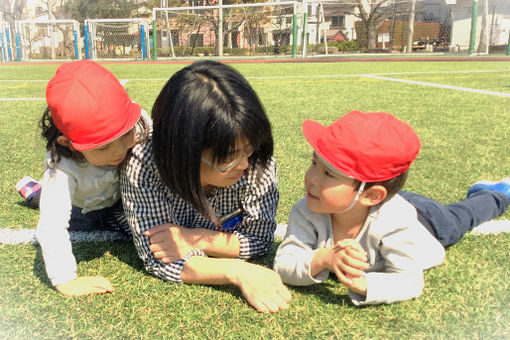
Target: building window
(196, 40)
(338, 21)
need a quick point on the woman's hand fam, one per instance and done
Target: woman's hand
(170, 242)
(85, 285)
(262, 287)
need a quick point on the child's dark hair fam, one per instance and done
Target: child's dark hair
(392, 186)
(206, 105)
(50, 133)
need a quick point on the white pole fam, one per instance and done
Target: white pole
(305, 21)
(410, 30)
(486, 13)
(323, 24)
(220, 29)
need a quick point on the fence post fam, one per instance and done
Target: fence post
(305, 22)
(154, 38)
(294, 31)
(8, 39)
(86, 33)
(75, 35)
(4, 58)
(142, 37)
(474, 18)
(18, 47)
(410, 29)
(508, 46)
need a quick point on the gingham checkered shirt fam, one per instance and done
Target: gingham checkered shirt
(148, 202)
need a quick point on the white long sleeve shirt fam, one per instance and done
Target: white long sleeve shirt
(399, 249)
(70, 183)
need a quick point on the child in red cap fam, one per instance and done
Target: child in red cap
(357, 223)
(90, 126)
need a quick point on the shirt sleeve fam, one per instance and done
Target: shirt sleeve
(256, 234)
(52, 229)
(146, 205)
(295, 254)
(402, 276)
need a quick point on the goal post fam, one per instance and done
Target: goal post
(246, 29)
(47, 39)
(5, 42)
(117, 38)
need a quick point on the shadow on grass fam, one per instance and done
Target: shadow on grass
(325, 291)
(125, 252)
(87, 251)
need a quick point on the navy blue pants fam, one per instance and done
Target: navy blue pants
(449, 223)
(111, 218)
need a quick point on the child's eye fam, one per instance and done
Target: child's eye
(314, 162)
(328, 174)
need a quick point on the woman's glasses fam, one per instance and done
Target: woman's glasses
(230, 165)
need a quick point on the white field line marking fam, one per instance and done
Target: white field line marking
(123, 81)
(15, 99)
(450, 87)
(27, 236)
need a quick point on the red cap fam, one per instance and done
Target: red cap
(370, 147)
(89, 105)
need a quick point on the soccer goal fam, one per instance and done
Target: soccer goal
(116, 39)
(5, 42)
(223, 30)
(47, 39)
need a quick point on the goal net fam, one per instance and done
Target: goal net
(48, 39)
(240, 30)
(116, 39)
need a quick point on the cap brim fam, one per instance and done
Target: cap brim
(312, 131)
(134, 112)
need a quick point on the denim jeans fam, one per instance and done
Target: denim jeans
(111, 218)
(448, 223)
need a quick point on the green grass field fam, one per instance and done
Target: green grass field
(464, 139)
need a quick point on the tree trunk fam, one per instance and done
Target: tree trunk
(372, 35)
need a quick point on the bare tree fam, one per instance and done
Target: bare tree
(373, 13)
(12, 10)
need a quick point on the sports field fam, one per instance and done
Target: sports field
(461, 111)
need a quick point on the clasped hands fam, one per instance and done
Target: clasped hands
(347, 259)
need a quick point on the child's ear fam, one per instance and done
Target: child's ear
(62, 140)
(373, 196)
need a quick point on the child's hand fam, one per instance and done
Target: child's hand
(348, 260)
(170, 242)
(85, 285)
(262, 287)
(357, 284)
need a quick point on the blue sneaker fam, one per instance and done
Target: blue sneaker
(502, 186)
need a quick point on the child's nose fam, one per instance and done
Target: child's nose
(310, 176)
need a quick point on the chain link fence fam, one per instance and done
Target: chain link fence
(304, 28)
(242, 30)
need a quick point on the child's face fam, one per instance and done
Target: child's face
(226, 173)
(327, 192)
(112, 153)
